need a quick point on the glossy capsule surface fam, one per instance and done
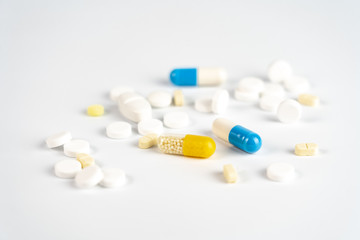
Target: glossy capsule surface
(237, 135)
(198, 76)
(188, 145)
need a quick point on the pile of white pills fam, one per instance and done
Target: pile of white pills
(270, 96)
(82, 169)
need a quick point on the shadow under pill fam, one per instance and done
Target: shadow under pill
(271, 118)
(42, 145)
(105, 95)
(291, 151)
(50, 171)
(162, 81)
(218, 176)
(262, 173)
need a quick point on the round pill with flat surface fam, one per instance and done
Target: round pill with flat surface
(160, 99)
(95, 110)
(251, 84)
(118, 130)
(220, 101)
(58, 139)
(297, 84)
(203, 104)
(89, 177)
(280, 172)
(279, 71)
(76, 146)
(117, 91)
(113, 177)
(150, 126)
(67, 168)
(270, 103)
(176, 119)
(289, 111)
(246, 96)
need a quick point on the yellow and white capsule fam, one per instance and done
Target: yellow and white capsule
(188, 145)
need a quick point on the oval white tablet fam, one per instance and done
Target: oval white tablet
(297, 84)
(67, 168)
(279, 71)
(251, 84)
(127, 97)
(134, 107)
(89, 177)
(118, 130)
(58, 139)
(246, 96)
(220, 101)
(274, 89)
(113, 177)
(76, 146)
(203, 104)
(160, 99)
(176, 119)
(150, 126)
(289, 111)
(117, 91)
(281, 172)
(270, 103)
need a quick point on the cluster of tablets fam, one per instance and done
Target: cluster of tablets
(83, 168)
(133, 106)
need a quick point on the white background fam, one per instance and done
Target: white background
(58, 57)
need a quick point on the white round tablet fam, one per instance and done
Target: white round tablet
(118, 130)
(251, 84)
(289, 111)
(113, 177)
(76, 146)
(150, 126)
(270, 103)
(58, 139)
(280, 172)
(274, 89)
(203, 104)
(176, 119)
(297, 84)
(220, 101)
(67, 168)
(117, 91)
(89, 177)
(246, 96)
(160, 99)
(279, 71)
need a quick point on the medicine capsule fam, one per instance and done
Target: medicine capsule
(198, 76)
(237, 135)
(188, 145)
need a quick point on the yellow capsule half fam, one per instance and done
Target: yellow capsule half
(198, 146)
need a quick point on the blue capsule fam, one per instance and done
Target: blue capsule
(237, 135)
(184, 76)
(197, 76)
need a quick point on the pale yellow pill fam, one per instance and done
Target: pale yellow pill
(95, 110)
(308, 100)
(178, 98)
(230, 173)
(306, 149)
(85, 160)
(148, 141)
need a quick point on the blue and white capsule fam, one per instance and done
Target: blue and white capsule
(237, 135)
(198, 76)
